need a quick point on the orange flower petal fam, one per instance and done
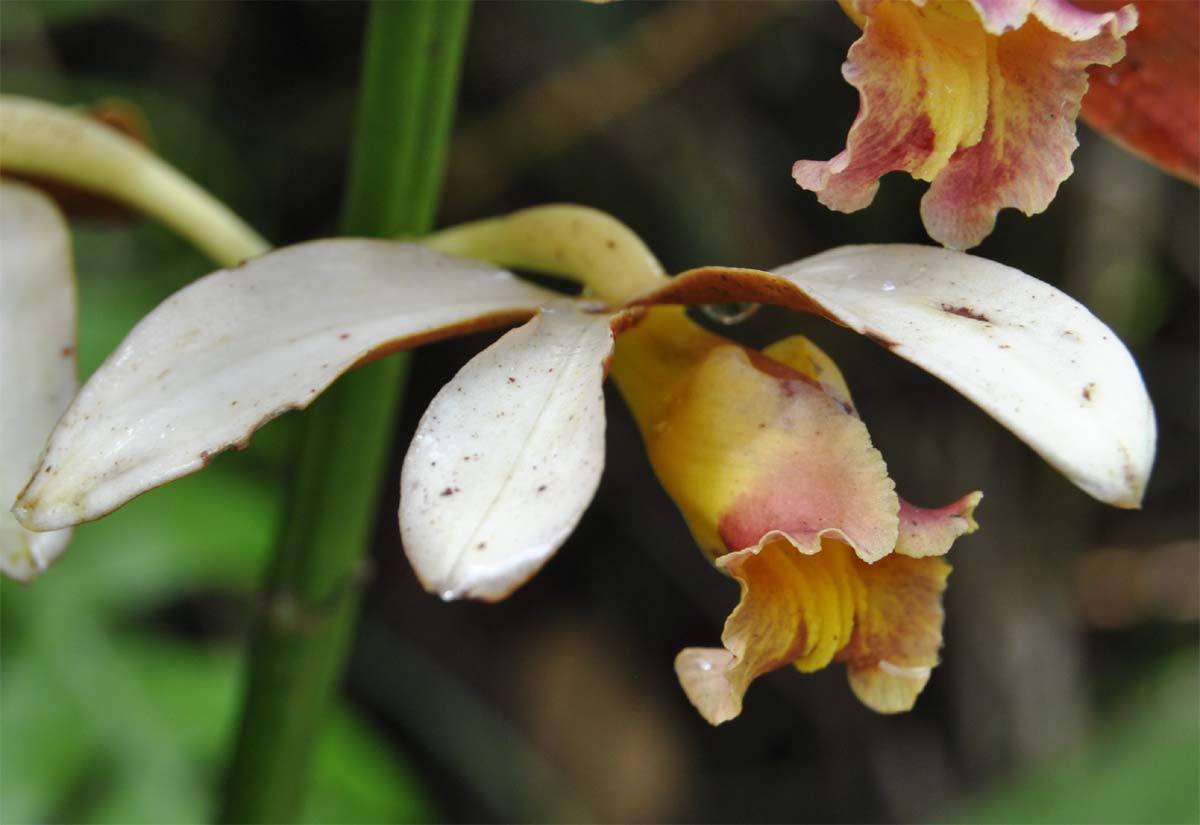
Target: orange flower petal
(884, 620)
(805, 357)
(896, 640)
(988, 117)
(778, 481)
(794, 608)
(1150, 101)
(1038, 80)
(750, 449)
(926, 532)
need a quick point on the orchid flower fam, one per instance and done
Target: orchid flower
(1150, 101)
(763, 452)
(979, 98)
(42, 141)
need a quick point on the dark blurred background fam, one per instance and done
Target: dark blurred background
(1070, 681)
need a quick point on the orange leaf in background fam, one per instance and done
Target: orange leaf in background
(1150, 101)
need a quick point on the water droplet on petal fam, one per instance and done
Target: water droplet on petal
(731, 313)
(705, 664)
(448, 595)
(888, 286)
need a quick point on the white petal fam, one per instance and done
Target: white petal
(37, 360)
(50, 141)
(1030, 356)
(507, 457)
(233, 350)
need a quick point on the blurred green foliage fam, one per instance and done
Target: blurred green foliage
(1142, 768)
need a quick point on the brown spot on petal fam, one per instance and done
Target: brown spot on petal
(965, 312)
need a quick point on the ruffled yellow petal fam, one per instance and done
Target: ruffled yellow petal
(884, 620)
(777, 479)
(795, 608)
(896, 640)
(978, 98)
(749, 448)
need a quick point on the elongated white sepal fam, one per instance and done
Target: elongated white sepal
(228, 353)
(50, 141)
(37, 360)
(1029, 355)
(507, 457)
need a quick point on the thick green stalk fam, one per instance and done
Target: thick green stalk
(302, 635)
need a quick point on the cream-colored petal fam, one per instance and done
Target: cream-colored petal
(576, 242)
(46, 140)
(1030, 356)
(37, 360)
(228, 353)
(507, 457)
(702, 672)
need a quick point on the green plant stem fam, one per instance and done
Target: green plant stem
(302, 635)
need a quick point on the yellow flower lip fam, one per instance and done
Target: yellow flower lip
(773, 471)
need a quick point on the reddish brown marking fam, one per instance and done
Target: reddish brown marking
(722, 285)
(1087, 391)
(67, 351)
(449, 491)
(966, 312)
(626, 319)
(883, 341)
(479, 323)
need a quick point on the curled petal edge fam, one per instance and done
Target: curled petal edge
(1027, 354)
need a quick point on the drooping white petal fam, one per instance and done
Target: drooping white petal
(46, 140)
(37, 360)
(507, 457)
(1030, 356)
(233, 350)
